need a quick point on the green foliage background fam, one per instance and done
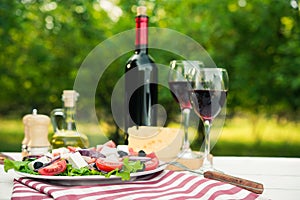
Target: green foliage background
(44, 42)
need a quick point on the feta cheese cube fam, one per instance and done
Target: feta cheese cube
(112, 158)
(108, 151)
(77, 161)
(65, 155)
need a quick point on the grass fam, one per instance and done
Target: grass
(241, 136)
(259, 137)
(11, 135)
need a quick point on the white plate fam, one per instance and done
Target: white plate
(92, 179)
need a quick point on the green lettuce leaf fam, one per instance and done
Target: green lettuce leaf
(129, 167)
(132, 167)
(84, 171)
(21, 166)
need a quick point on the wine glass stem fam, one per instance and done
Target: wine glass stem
(186, 118)
(206, 161)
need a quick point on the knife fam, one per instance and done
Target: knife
(252, 186)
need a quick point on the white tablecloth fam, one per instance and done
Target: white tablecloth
(280, 176)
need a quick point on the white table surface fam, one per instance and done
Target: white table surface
(280, 176)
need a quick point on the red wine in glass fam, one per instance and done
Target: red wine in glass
(179, 85)
(208, 96)
(209, 103)
(180, 92)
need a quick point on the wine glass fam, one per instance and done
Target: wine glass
(180, 88)
(208, 96)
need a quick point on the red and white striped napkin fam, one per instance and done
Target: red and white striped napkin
(166, 185)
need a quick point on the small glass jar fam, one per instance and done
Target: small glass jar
(64, 126)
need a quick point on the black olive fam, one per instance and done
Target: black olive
(142, 153)
(122, 153)
(38, 165)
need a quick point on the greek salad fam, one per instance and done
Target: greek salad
(106, 160)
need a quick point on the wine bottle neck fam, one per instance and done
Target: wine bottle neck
(141, 38)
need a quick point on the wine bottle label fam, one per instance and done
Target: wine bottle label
(141, 39)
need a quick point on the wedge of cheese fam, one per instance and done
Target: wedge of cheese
(165, 142)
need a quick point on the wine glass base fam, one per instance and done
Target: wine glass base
(203, 169)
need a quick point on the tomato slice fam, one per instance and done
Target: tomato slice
(153, 163)
(108, 166)
(53, 169)
(151, 155)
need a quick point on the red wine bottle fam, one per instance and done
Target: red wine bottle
(140, 79)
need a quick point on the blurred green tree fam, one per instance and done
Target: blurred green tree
(43, 44)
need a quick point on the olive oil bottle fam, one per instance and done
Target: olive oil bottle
(63, 121)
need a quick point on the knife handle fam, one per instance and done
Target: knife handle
(252, 186)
